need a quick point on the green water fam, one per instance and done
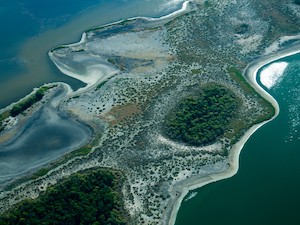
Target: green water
(266, 189)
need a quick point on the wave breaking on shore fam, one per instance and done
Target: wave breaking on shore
(272, 74)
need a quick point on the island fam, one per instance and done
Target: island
(169, 104)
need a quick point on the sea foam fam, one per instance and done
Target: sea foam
(272, 74)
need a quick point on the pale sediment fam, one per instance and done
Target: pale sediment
(186, 7)
(93, 77)
(95, 73)
(93, 103)
(98, 69)
(42, 124)
(251, 73)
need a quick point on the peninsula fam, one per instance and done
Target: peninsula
(170, 101)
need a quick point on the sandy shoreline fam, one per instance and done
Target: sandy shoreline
(186, 7)
(95, 77)
(251, 74)
(91, 83)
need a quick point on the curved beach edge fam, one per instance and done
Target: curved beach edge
(251, 75)
(91, 81)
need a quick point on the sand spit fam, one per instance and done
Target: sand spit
(251, 74)
(130, 107)
(98, 70)
(41, 124)
(187, 6)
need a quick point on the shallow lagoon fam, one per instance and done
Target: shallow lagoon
(34, 28)
(47, 135)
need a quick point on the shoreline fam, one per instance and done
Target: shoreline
(107, 71)
(184, 9)
(91, 83)
(48, 105)
(250, 73)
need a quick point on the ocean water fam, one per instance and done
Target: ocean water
(265, 191)
(30, 28)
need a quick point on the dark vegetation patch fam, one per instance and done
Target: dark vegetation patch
(269, 110)
(242, 28)
(28, 102)
(200, 119)
(91, 197)
(241, 125)
(3, 116)
(23, 105)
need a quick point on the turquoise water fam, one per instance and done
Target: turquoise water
(30, 28)
(265, 191)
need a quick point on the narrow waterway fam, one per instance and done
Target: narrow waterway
(265, 191)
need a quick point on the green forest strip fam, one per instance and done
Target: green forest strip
(28, 102)
(3, 116)
(240, 126)
(236, 75)
(91, 197)
(21, 106)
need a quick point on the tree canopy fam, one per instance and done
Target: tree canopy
(90, 198)
(200, 119)
(28, 102)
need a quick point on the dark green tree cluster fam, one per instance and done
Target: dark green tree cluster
(202, 118)
(22, 106)
(89, 198)
(3, 116)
